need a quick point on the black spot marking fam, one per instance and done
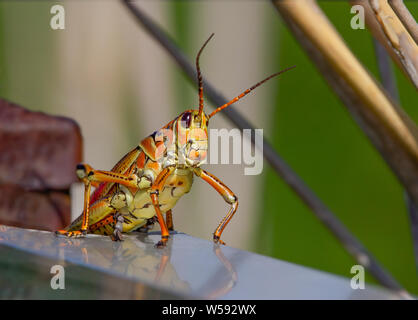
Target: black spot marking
(133, 216)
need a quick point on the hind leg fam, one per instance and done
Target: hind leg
(98, 210)
(85, 217)
(90, 176)
(102, 216)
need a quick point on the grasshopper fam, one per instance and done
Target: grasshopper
(149, 180)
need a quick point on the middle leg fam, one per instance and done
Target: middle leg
(169, 220)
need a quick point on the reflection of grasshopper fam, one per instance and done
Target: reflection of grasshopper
(150, 179)
(225, 287)
(131, 259)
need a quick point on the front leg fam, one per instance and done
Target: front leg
(154, 193)
(228, 196)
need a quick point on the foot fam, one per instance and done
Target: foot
(117, 235)
(217, 239)
(163, 242)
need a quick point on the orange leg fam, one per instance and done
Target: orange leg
(109, 220)
(85, 224)
(155, 190)
(88, 175)
(169, 220)
(228, 196)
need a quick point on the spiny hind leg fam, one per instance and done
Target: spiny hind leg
(98, 210)
(102, 214)
(130, 180)
(71, 234)
(90, 176)
(85, 216)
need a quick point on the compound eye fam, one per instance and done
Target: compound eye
(186, 120)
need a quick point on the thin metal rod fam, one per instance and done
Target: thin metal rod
(349, 241)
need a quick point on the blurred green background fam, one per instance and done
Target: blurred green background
(43, 70)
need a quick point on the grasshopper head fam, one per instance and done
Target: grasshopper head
(192, 137)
